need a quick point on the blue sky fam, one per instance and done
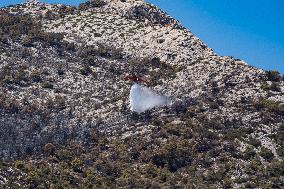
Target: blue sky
(252, 30)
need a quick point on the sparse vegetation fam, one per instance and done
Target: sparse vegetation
(14, 74)
(273, 86)
(92, 4)
(17, 26)
(273, 76)
(36, 75)
(270, 106)
(172, 163)
(49, 149)
(47, 85)
(86, 70)
(266, 154)
(254, 142)
(249, 152)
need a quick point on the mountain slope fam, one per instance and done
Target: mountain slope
(64, 104)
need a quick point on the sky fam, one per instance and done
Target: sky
(251, 30)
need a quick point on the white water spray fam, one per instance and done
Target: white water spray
(142, 99)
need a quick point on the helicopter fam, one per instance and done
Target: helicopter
(137, 79)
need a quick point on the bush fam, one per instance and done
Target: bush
(86, 70)
(255, 142)
(57, 103)
(3, 164)
(232, 134)
(63, 10)
(97, 3)
(19, 164)
(49, 149)
(64, 155)
(15, 26)
(47, 85)
(108, 169)
(278, 137)
(92, 4)
(49, 15)
(60, 102)
(60, 71)
(161, 40)
(265, 86)
(266, 154)
(273, 76)
(269, 105)
(12, 106)
(76, 165)
(275, 87)
(254, 166)
(173, 156)
(249, 152)
(280, 151)
(36, 75)
(88, 52)
(14, 74)
(276, 168)
(25, 29)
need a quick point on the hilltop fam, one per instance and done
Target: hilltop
(64, 110)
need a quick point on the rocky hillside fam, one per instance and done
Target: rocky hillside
(64, 110)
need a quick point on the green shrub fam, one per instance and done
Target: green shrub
(97, 35)
(49, 15)
(76, 165)
(19, 164)
(213, 176)
(60, 71)
(11, 105)
(64, 155)
(273, 75)
(14, 74)
(278, 137)
(250, 184)
(228, 183)
(173, 156)
(60, 102)
(249, 152)
(266, 153)
(254, 166)
(56, 103)
(161, 40)
(232, 134)
(36, 75)
(255, 142)
(92, 4)
(25, 29)
(86, 70)
(280, 151)
(49, 149)
(15, 26)
(269, 105)
(179, 130)
(275, 87)
(108, 169)
(47, 85)
(265, 86)
(276, 168)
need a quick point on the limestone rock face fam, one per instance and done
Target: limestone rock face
(109, 41)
